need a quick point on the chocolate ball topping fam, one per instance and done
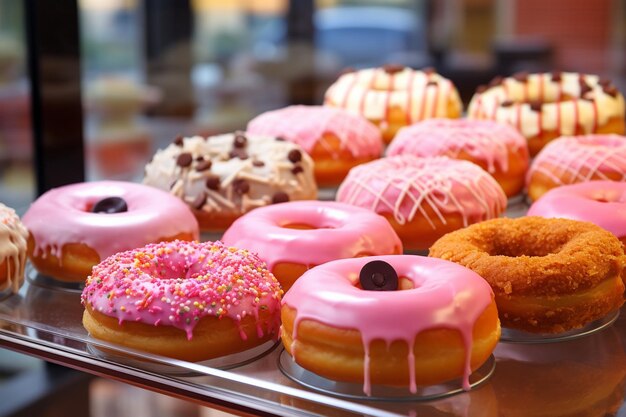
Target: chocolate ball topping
(240, 140)
(110, 205)
(280, 197)
(392, 68)
(179, 141)
(203, 166)
(294, 156)
(535, 105)
(184, 160)
(241, 186)
(378, 276)
(213, 182)
(557, 76)
(506, 103)
(297, 169)
(521, 77)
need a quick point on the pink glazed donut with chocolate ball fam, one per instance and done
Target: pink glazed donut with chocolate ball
(74, 227)
(600, 202)
(296, 236)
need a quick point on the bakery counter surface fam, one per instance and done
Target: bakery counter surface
(583, 376)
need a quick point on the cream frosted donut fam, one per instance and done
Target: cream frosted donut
(424, 198)
(571, 160)
(296, 236)
(441, 325)
(13, 236)
(496, 147)
(187, 300)
(599, 202)
(336, 139)
(548, 105)
(222, 177)
(395, 96)
(74, 227)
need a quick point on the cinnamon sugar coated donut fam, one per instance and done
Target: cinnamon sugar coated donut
(222, 177)
(395, 96)
(599, 202)
(497, 148)
(13, 236)
(570, 160)
(424, 198)
(548, 105)
(294, 237)
(74, 227)
(185, 300)
(548, 275)
(392, 320)
(336, 139)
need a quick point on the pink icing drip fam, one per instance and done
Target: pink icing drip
(342, 231)
(484, 140)
(599, 202)
(581, 158)
(403, 185)
(60, 217)
(305, 125)
(177, 283)
(445, 295)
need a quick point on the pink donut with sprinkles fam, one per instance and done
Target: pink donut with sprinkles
(496, 147)
(185, 300)
(600, 202)
(294, 237)
(336, 139)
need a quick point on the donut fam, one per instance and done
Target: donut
(495, 147)
(346, 320)
(599, 202)
(395, 96)
(222, 177)
(13, 236)
(424, 198)
(336, 139)
(575, 159)
(548, 105)
(548, 275)
(294, 237)
(185, 300)
(74, 227)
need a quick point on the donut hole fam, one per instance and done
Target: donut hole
(304, 226)
(526, 244)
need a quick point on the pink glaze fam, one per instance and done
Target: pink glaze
(484, 140)
(445, 295)
(581, 158)
(178, 283)
(341, 231)
(405, 185)
(305, 125)
(599, 202)
(62, 215)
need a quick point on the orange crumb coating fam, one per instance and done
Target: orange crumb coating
(212, 337)
(338, 354)
(548, 275)
(77, 259)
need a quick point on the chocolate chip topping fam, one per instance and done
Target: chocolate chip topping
(496, 81)
(179, 141)
(393, 68)
(184, 159)
(604, 82)
(506, 103)
(213, 182)
(481, 89)
(521, 77)
(294, 156)
(203, 166)
(557, 76)
(280, 139)
(378, 276)
(280, 197)
(238, 153)
(297, 169)
(535, 105)
(610, 90)
(258, 163)
(240, 140)
(199, 201)
(199, 158)
(241, 186)
(432, 82)
(584, 87)
(110, 205)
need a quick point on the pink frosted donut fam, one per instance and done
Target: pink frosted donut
(293, 237)
(336, 139)
(496, 147)
(445, 313)
(424, 198)
(575, 159)
(187, 300)
(67, 238)
(599, 202)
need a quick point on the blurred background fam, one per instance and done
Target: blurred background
(153, 69)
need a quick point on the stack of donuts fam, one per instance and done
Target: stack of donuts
(330, 278)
